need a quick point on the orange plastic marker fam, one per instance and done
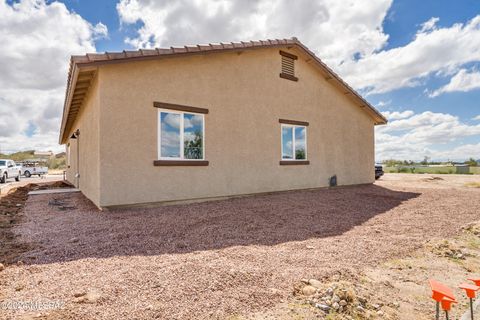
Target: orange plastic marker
(439, 292)
(447, 305)
(475, 280)
(471, 291)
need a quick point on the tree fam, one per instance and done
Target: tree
(425, 161)
(471, 162)
(192, 149)
(300, 154)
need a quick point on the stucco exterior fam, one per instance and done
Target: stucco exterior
(83, 152)
(246, 98)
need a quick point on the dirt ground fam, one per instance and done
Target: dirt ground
(242, 258)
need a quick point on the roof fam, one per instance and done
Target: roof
(82, 71)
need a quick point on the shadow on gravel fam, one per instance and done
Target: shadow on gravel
(263, 220)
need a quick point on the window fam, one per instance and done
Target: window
(294, 142)
(181, 135)
(288, 66)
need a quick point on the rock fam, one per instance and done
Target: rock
(89, 297)
(360, 309)
(74, 240)
(323, 307)
(375, 306)
(308, 290)
(80, 299)
(362, 300)
(19, 287)
(343, 303)
(380, 313)
(19, 204)
(335, 306)
(310, 247)
(20, 263)
(335, 298)
(329, 292)
(304, 281)
(2, 267)
(79, 294)
(328, 302)
(93, 296)
(395, 304)
(315, 283)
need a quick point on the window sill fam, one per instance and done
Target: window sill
(185, 163)
(288, 77)
(294, 162)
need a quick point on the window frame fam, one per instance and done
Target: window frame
(182, 135)
(293, 126)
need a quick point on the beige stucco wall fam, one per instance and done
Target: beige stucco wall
(245, 97)
(86, 162)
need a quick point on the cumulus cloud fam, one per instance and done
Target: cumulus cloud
(395, 115)
(413, 137)
(337, 30)
(37, 40)
(476, 118)
(463, 81)
(433, 51)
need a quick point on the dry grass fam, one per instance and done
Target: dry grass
(472, 184)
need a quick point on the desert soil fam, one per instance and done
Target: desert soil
(240, 258)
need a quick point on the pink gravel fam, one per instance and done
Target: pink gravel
(222, 258)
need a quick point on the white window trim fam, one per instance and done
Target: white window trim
(293, 142)
(182, 138)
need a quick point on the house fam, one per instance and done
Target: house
(211, 121)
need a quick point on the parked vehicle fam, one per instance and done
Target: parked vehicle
(8, 169)
(33, 167)
(378, 171)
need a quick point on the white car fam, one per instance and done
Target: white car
(29, 168)
(8, 169)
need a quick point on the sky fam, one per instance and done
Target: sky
(418, 62)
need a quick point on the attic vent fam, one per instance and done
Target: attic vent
(288, 66)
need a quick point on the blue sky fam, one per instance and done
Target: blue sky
(417, 61)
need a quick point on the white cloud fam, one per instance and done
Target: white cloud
(395, 115)
(463, 81)
(429, 25)
(337, 30)
(427, 133)
(37, 40)
(433, 51)
(476, 118)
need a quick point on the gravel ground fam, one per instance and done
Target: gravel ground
(223, 258)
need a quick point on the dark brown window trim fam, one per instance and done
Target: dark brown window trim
(179, 107)
(294, 162)
(294, 122)
(288, 55)
(288, 77)
(184, 163)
